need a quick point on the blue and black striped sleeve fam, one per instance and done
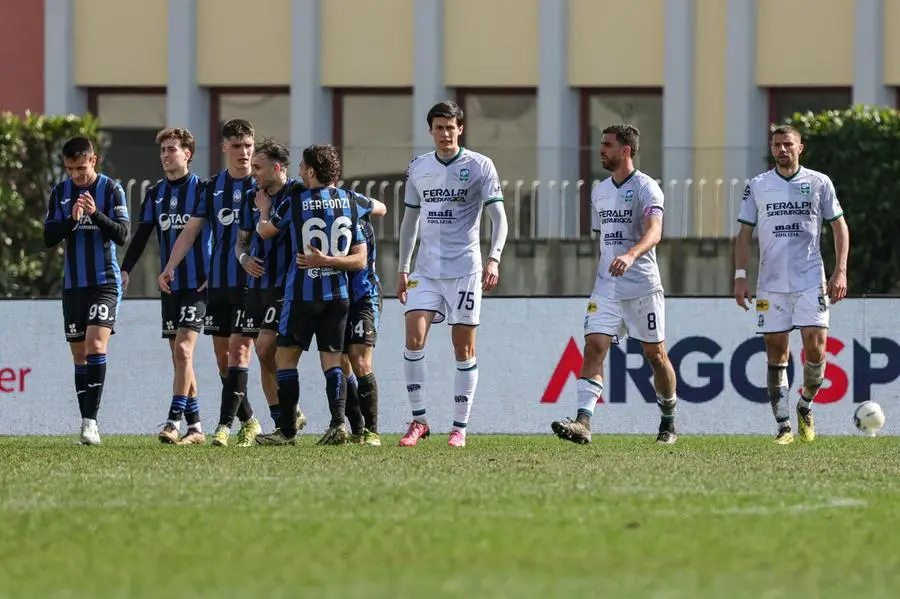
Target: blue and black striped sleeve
(56, 225)
(142, 235)
(114, 227)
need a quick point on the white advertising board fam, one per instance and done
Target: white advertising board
(529, 351)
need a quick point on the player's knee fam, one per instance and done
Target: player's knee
(94, 346)
(265, 352)
(183, 352)
(360, 363)
(415, 342)
(595, 350)
(657, 358)
(814, 350)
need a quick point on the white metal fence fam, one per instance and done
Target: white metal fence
(703, 208)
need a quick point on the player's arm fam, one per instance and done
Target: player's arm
(266, 228)
(378, 208)
(56, 225)
(409, 226)
(747, 218)
(185, 242)
(353, 261)
(834, 214)
(188, 235)
(141, 236)
(115, 225)
(841, 243)
(499, 228)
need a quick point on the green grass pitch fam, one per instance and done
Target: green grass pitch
(507, 516)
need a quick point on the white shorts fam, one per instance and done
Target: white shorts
(643, 318)
(780, 312)
(457, 300)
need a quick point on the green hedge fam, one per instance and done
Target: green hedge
(859, 149)
(30, 164)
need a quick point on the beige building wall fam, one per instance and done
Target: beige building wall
(120, 43)
(616, 43)
(230, 54)
(892, 42)
(501, 43)
(367, 43)
(804, 43)
(709, 116)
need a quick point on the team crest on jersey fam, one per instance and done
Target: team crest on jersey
(236, 197)
(804, 188)
(463, 174)
(173, 203)
(629, 195)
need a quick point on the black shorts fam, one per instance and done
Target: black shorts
(182, 310)
(85, 307)
(327, 321)
(263, 310)
(224, 312)
(362, 321)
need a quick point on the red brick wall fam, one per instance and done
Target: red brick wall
(22, 49)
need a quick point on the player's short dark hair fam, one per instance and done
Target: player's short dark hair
(785, 130)
(324, 161)
(184, 138)
(237, 128)
(627, 135)
(77, 147)
(446, 110)
(276, 152)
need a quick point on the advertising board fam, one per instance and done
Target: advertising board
(529, 354)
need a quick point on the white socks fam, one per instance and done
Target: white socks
(414, 372)
(589, 391)
(464, 392)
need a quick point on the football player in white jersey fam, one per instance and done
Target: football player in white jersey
(627, 212)
(445, 193)
(789, 204)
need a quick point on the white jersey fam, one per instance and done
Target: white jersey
(789, 214)
(617, 214)
(450, 196)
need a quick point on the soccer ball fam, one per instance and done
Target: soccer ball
(869, 418)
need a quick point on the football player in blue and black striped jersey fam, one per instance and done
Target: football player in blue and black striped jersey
(266, 262)
(89, 212)
(322, 221)
(167, 210)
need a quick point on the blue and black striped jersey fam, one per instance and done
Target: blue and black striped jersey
(90, 254)
(325, 218)
(167, 208)
(276, 253)
(365, 282)
(220, 205)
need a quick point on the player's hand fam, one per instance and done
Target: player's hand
(263, 203)
(490, 276)
(253, 266)
(837, 286)
(203, 286)
(77, 210)
(621, 264)
(402, 280)
(163, 280)
(125, 279)
(88, 202)
(742, 293)
(313, 258)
